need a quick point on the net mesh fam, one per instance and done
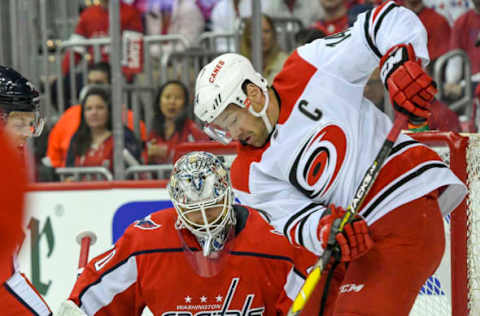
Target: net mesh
(473, 227)
(435, 296)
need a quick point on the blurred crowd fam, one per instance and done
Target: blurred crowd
(81, 134)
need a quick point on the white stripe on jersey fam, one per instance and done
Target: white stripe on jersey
(114, 282)
(299, 218)
(294, 284)
(375, 25)
(371, 27)
(19, 287)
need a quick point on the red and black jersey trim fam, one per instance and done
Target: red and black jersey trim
(402, 145)
(367, 36)
(300, 229)
(365, 213)
(379, 13)
(381, 17)
(293, 227)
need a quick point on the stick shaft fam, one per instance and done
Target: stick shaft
(84, 250)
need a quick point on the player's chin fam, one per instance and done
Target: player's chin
(250, 141)
(259, 142)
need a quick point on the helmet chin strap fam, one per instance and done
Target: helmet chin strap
(263, 112)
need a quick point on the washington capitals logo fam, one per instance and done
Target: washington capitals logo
(219, 310)
(318, 163)
(147, 223)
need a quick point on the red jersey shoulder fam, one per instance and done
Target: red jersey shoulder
(92, 14)
(145, 233)
(240, 169)
(131, 18)
(290, 85)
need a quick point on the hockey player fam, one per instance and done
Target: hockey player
(19, 107)
(11, 195)
(206, 256)
(307, 141)
(20, 119)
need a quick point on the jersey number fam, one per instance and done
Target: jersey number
(335, 39)
(303, 107)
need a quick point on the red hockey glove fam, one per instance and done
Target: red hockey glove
(353, 242)
(411, 88)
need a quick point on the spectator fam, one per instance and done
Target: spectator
(273, 56)
(307, 11)
(335, 19)
(451, 10)
(437, 27)
(61, 134)
(466, 36)
(179, 17)
(226, 17)
(205, 253)
(99, 74)
(206, 6)
(227, 14)
(306, 36)
(94, 22)
(92, 143)
(170, 124)
(355, 7)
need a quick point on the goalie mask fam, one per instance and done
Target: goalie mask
(219, 84)
(201, 193)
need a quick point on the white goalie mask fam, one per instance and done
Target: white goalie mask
(201, 193)
(219, 84)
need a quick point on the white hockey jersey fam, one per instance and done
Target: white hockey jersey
(328, 134)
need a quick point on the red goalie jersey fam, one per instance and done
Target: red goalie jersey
(261, 274)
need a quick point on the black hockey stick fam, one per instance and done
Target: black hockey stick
(368, 179)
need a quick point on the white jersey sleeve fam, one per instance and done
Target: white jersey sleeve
(352, 55)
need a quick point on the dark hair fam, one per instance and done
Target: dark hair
(158, 120)
(102, 66)
(83, 134)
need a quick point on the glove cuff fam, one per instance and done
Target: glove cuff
(394, 58)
